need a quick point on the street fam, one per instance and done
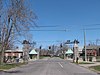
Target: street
(49, 66)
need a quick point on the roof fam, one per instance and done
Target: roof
(17, 50)
(33, 52)
(69, 51)
(91, 47)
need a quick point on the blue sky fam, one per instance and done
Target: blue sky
(72, 15)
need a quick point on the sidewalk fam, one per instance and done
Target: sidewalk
(86, 65)
(89, 65)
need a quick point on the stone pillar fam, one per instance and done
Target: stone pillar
(26, 50)
(76, 52)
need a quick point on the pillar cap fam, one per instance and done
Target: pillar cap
(25, 42)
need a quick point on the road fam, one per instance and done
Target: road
(50, 66)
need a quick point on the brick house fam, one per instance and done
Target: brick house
(92, 50)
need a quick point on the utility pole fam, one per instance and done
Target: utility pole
(85, 46)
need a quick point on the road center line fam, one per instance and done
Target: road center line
(60, 64)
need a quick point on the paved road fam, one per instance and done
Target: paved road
(51, 66)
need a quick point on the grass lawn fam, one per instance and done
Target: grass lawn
(97, 68)
(85, 63)
(9, 66)
(41, 57)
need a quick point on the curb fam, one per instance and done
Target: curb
(98, 72)
(14, 69)
(7, 70)
(1, 70)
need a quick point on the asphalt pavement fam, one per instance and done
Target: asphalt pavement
(49, 66)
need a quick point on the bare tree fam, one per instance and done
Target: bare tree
(17, 19)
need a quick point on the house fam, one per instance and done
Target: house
(14, 53)
(98, 50)
(17, 53)
(92, 50)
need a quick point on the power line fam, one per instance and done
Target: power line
(49, 26)
(48, 41)
(92, 25)
(44, 30)
(91, 29)
(65, 29)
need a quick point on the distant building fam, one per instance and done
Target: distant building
(92, 50)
